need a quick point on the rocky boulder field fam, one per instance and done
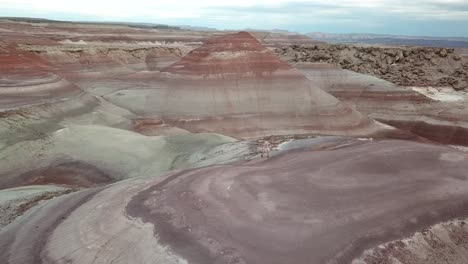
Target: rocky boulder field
(405, 66)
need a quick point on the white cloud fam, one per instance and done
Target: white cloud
(246, 13)
(190, 8)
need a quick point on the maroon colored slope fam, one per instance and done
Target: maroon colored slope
(237, 53)
(306, 206)
(25, 78)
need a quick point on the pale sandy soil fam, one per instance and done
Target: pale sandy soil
(443, 94)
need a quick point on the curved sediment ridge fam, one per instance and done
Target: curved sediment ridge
(401, 107)
(26, 79)
(300, 207)
(441, 243)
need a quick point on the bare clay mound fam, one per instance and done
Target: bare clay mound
(301, 207)
(25, 78)
(235, 86)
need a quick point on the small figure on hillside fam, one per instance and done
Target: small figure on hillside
(266, 149)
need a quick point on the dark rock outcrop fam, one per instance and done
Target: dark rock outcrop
(405, 66)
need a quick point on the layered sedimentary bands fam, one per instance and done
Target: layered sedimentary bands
(439, 116)
(26, 78)
(301, 207)
(235, 86)
(139, 144)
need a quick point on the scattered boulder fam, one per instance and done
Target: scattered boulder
(392, 53)
(443, 53)
(321, 56)
(399, 55)
(448, 81)
(460, 86)
(428, 56)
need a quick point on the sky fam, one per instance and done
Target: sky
(447, 18)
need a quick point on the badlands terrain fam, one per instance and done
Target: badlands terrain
(141, 144)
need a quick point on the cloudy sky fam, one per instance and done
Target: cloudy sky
(405, 17)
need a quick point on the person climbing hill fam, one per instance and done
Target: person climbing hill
(266, 149)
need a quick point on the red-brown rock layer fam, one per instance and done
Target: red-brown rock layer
(72, 174)
(236, 54)
(234, 85)
(25, 78)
